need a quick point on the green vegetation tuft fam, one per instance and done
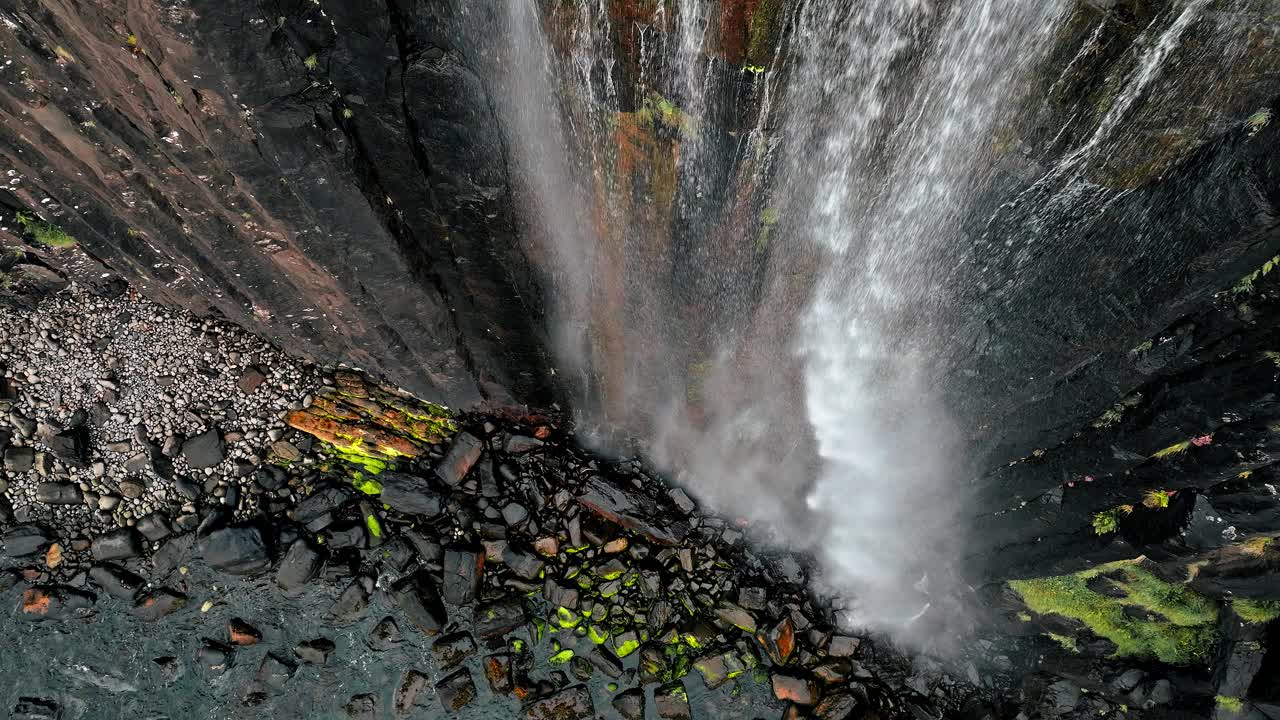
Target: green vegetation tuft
(1245, 285)
(1256, 612)
(1179, 627)
(1108, 521)
(1230, 704)
(1157, 499)
(312, 62)
(45, 233)
(1068, 643)
(1172, 450)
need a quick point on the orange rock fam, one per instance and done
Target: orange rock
(35, 601)
(53, 556)
(242, 633)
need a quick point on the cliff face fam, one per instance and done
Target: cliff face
(331, 179)
(339, 179)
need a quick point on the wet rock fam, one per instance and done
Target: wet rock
(116, 581)
(133, 487)
(314, 652)
(497, 670)
(204, 450)
(736, 616)
(172, 554)
(385, 635)
(514, 514)
(323, 501)
(117, 545)
(840, 706)
(352, 602)
(719, 669)
(523, 565)
(791, 688)
(56, 493)
(270, 478)
(274, 671)
(242, 633)
(672, 702)
(653, 663)
(154, 527)
(301, 564)
(362, 707)
(214, 657)
(630, 704)
(843, 646)
(632, 511)
(236, 549)
(682, 501)
(1062, 697)
(55, 602)
(417, 598)
(158, 603)
(572, 703)
(457, 690)
(27, 540)
(19, 459)
(560, 596)
(779, 641)
(519, 444)
(70, 446)
(250, 379)
(1161, 694)
(409, 494)
(546, 546)
(171, 669)
(36, 708)
(498, 618)
(409, 694)
(286, 451)
(463, 568)
(462, 455)
(453, 648)
(605, 661)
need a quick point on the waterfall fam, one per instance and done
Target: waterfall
(752, 268)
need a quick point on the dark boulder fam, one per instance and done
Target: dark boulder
(451, 649)
(456, 690)
(55, 602)
(463, 454)
(409, 694)
(463, 568)
(323, 501)
(573, 703)
(385, 635)
(70, 446)
(204, 450)
(236, 550)
(495, 619)
(352, 602)
(58, 493)
(117, 545)
(116, 581)
(409, 494)
(417, 598)
(26, 540)
(154, 526)
(19, 459)
(632, 511)
(630, 704)
(301, 564)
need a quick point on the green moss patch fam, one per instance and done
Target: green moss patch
(45, 233)
(1256, 612)
(1147, 618)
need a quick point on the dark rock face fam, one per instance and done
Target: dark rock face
(409, 494)
(238, 550)
(345, 216)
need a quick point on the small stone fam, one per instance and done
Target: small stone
(132, 487)
(154, 526)
(546, 546)
(250, 379)
(314, 652)
(453, 648)
(204, 450)
(457, 690)
(56, 493)
(462, 455)
(385, 635)
(116, 581)
(242, 633)
(117, 545)
(790, 688)
(514, 514)
(616, 546)
(53, 556)
(214, 657)
(286, 451)
(237, 549)
(573, 703)
(409, 494)
(416, 596)
(107, 503)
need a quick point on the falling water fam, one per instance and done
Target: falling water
(776, 339)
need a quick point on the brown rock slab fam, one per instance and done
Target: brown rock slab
(801, 691)
(456, 690)
(462, 455)
(572, 703)
(632, 511)
(406, 697)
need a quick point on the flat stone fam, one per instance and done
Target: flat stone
(204, 450)
(352, 602)
(672, 702)
(630, 704)
(301, 564)
(242, 633)
(457, 690)
(250, 379)
(154, 526)
(798, 690)
(138, 463)
(55, 602)
(323, 501)
(314, 652)
(362, 707)
(116, 581)
(780, 641)
(56, 493)
(409, 494)
(385, 635)
(236, 549)
(453, 648)
(523, 565)
(843, 646)
(736, 616)
(462, 455)
(117, 545)
(406, 697)
(173, 553)
(605, 661)
(133, 487)
(572, 703)
(497, 670)
(717, 670)
(633, 512)
(519, 444)
(495, 619)
(158, 603)
(286, 451)
(26, 540)
(70, 446)
(514, 514)
(19, 459)
(559, 595)
(275, 671)
(840, 706)
(463, 570)
(417, 598)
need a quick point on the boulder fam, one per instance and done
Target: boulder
(116, 581)
(301, 564)
(58, 493)
(409, 494)
(632, 511)
(463, 568)
(416, 597)
(572, 703)
(204, 450)
(406, 697)
(463, 454)
(26, 540)
(236, 549)
(117, 545)
(456, 690)
(451, 649)
(498, 618)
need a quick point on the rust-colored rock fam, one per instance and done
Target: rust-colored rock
(53, 556)
(779, 641)
(242, 633)
(36, 601)
(800, 691)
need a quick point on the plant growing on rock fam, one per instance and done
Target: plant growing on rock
(1108, 521)
(43, 232)
(1157, 499)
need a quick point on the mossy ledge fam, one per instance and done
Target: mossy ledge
(1141, 614)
